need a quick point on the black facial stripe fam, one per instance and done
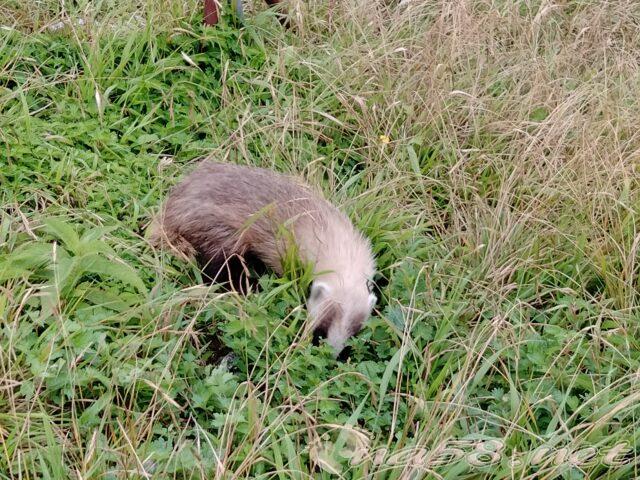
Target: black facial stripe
(356, 323)
(327, 315)
(354, 330)
(318, 334)
(344, 355)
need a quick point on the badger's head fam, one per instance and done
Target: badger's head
(339, 308)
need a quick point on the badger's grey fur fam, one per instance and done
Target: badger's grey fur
(220, 212)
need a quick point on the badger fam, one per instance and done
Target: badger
(228, 216)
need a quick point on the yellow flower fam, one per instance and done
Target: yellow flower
(384, 139)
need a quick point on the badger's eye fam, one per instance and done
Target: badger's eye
(370, 286)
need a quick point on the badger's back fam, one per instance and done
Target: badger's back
(222, 210)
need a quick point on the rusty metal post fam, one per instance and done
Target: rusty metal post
(210, 12)
(211, 15)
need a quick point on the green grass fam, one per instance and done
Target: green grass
(503, 211)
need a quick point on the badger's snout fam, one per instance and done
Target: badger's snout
(320, 333)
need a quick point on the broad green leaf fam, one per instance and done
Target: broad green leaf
(25, 260)
(115, 269)
(64, 232)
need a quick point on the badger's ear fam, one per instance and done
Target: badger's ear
(372, 300)
(319, 290)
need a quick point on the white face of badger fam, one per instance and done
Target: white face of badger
(339, 309)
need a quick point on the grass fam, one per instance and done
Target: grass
(488, 149)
